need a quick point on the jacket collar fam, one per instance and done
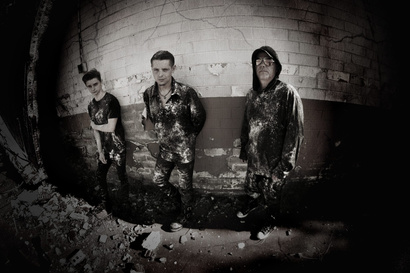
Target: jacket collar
(176, 90)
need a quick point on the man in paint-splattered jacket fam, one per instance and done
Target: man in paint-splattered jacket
(178, 117)
(272, 134)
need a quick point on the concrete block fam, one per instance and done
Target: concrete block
(152, 241)
(103, 238)
(77, 257)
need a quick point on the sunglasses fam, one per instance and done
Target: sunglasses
(266, 61)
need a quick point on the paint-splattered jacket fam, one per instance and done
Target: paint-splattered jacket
(272, 130)
(99, 112)
(178, 123)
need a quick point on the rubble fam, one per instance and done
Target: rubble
(103, 238)
(152, 241)
(183, 239)
(78, 236)
(74, 220)
(170, 246)
(77, 257)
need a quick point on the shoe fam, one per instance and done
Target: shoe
(266, 229)
(181, 220)
(177, 225)
(247, 208)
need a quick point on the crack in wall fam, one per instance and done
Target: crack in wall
(201, 20)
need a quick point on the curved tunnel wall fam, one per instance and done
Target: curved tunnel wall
(334, 52)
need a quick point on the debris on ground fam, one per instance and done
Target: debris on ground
(51, 230)
(183, 239)
(152, 241)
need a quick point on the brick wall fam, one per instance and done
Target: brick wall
(331, 51)
(338, 137)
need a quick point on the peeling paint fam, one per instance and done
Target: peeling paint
(239, 91)
(216, 152)
(338, 76)
(233, 175)
(204, 175)
(216, 69)
(143, 77)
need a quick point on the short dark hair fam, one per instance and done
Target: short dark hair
(163, 55)
(92, 74)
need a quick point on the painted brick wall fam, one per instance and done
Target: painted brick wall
(332, 51)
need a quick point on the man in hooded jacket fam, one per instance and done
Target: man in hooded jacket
(271, 137)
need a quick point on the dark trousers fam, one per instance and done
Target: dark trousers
(102, 171)
(261, 186)
(162, 173)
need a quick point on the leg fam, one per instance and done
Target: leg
(185, 171)
(122, 175)
(252, 194)
(272, 191)
(162, 173)
(101, 174)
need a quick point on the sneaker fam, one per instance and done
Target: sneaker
(247, 208)
(178, 224)
(265, 231)
(181, 220)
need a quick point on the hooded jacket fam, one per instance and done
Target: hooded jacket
(272, 129)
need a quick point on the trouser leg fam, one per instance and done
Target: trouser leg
(251, 185)
(252, 190)
(162, 173)
(122, 176)
(185, 171)
(272, 192)
(250, 201)
(102, 171)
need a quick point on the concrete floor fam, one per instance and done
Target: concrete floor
(43, 229)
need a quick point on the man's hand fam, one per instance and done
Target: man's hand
(93, 125)
(101, 157)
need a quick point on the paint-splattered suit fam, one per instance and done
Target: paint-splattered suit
(272, 133)
(177, 125)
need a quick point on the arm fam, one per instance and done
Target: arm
(109, 127)
(146, 119)
(293, 137)
(97, 137)
(198, 113)
(244, 135)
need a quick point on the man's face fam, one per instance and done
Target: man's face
(94, 86)
(162, 71)
(266, 69)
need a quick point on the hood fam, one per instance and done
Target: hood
(272, 53)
